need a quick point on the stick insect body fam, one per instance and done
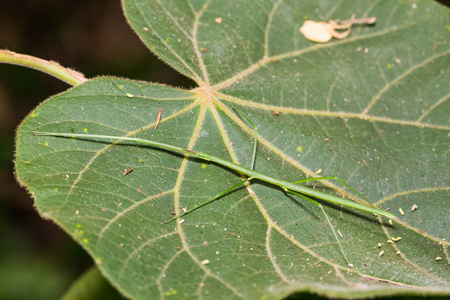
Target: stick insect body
(285, 185)
(289, 187)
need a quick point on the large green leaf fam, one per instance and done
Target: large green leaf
(371, 109)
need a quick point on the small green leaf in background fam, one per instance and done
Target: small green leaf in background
(91, 286)
(371, 109)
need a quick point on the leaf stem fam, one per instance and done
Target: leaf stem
(50, 67)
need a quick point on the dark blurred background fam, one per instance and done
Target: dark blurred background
(37, 259)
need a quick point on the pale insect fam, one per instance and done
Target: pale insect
(321, 32)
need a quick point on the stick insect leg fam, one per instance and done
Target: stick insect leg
(336, 178)
(328, 221)
(234, 186)
(252, 166)
(210, 200)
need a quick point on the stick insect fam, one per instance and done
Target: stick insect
(288, 187)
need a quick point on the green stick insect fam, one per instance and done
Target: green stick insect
(289, 187)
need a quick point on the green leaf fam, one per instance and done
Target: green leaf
(90, 286)
(371, 109)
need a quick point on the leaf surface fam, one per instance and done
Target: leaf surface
(371, 109)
